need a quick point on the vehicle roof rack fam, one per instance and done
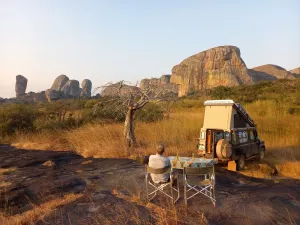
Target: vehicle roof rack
(218, 102)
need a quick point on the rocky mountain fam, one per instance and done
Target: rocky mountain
(217, 66)
(222, 65)
(214, 67)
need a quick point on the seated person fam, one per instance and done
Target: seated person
(158, 161)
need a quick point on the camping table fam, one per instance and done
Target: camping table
(197, 162)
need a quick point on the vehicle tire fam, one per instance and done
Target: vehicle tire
(240, 163)
(261, 154)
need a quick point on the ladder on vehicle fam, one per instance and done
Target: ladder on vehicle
(246, 116)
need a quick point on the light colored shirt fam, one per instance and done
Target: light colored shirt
(159, 162)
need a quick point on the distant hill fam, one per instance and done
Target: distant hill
(296, 72)
(270, 72)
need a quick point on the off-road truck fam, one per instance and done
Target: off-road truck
(229, 134)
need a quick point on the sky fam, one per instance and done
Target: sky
(115, 40)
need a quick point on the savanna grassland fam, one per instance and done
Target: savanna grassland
(274, 106)
(75, 126)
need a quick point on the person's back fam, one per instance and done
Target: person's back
(158, 161)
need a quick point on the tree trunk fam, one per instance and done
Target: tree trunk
(129, 129)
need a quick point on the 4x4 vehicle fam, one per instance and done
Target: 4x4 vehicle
(229, 134)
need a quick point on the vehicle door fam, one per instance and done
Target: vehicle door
(208, 141)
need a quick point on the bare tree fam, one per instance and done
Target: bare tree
(132, 98)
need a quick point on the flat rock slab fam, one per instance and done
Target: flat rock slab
(111, 187)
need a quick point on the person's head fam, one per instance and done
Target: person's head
(160, 149)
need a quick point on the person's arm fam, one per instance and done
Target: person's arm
(169, 162)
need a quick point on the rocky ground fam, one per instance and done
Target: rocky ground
(111, 191)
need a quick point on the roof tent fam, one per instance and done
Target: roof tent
(225, 115)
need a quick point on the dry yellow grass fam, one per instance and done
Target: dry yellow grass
(38, 212)
(276, 127)
(164, 214)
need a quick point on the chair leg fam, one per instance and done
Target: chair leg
(214, 196)
(185, 198)
(172, 193)
(178, 188)
(147, 189)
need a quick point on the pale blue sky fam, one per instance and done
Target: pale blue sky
(130, 40)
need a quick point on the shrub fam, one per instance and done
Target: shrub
(150, 113)
(17, 117)
(221, 92)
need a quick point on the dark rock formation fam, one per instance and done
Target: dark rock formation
(21, 85)
(217, 66)
(86, 85)
(59, 82)
(165, 78)
(71, 89)
(119, 89)
(159, 84)
(40, 97)
(52, 95)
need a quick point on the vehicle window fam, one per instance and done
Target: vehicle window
(219, 136)
(245, 136)
(240, 137)
(228, 136)
(251, 135)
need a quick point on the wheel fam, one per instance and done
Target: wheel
(240, 163)
(261, 154)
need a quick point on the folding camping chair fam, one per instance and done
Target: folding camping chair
(161, 187)
(200, 180)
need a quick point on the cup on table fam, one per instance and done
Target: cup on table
(174, 162)
(182, 164)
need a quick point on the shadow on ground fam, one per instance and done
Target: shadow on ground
(113, 193)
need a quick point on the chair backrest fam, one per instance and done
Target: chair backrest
(198, 170)
(158, 171)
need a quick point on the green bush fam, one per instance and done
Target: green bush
(17, 117)
(149, 113)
